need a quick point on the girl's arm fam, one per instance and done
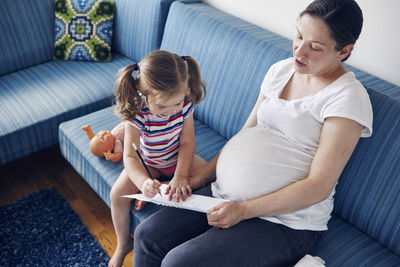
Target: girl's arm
(339, 136)
(179, 183)
(133, 165)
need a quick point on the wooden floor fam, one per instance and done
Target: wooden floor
(48, 169)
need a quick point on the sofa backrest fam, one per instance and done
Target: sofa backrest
(227, 47)
(27, 30)
(368, 192)
(27, 33)
(139, 26)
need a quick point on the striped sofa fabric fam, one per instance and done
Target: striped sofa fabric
(37, 94)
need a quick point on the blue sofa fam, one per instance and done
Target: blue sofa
(234, 56)
(37, 93)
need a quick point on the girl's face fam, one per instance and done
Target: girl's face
(314, 48)
(162, 106)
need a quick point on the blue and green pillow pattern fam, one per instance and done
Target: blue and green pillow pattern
(83, 30)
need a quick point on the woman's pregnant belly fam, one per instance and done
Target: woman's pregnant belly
(259, 161)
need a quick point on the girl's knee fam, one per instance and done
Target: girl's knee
(122, 186)
(114, 193)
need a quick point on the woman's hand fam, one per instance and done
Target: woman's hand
(179, 186)
(226, 215)
(150, 187)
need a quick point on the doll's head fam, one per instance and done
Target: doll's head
(102, 142)
(105, 143)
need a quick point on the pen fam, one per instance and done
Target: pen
(144, 164)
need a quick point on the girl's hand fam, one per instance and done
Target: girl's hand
(225, 215)
(179, 186)
(150, 187)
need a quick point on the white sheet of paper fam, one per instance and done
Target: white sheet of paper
(194, 202)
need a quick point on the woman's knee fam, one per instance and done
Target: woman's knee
(145, 236)
(181, 257)
(141, 232)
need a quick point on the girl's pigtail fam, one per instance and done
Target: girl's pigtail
(127, 98)
(197, 88)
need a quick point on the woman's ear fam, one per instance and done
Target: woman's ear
(345, 52)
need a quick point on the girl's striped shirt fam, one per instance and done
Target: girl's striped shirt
(159, 137)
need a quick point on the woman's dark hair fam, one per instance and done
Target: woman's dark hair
(343, 17)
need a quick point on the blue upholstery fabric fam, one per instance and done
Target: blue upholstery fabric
(28, 30)
(218, 41)
(139, 26)
(101, 174)
(27, 33)
(368, 190)
(40, 97)
(344, 245)
(208, 142)
(37, 94)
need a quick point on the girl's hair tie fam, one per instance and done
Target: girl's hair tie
(135, 67)
(183, 57)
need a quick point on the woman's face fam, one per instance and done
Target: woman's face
(314, 48)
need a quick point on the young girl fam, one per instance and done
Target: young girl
(156, 107)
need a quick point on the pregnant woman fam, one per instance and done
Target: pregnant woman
(281, 169)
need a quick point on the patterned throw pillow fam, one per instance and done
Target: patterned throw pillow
(83, 30)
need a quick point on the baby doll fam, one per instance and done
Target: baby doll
(105, 143)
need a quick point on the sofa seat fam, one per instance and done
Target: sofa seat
(346, 245)
(35, 100)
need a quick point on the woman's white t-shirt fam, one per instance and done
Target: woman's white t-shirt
(280, 149)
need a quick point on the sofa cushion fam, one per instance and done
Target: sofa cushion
(83, 30)
(227, 47)
(345, 245)
(367, 194)
(27, 33)
(100, 173)
(37, 99)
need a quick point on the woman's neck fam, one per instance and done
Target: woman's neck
(327, 76)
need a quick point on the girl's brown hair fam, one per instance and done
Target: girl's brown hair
(159, 73)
